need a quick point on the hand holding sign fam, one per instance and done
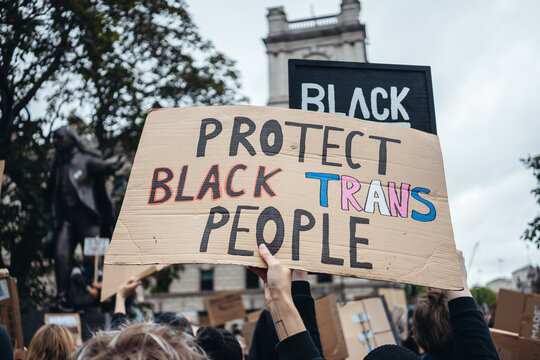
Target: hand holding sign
(465, 291)
(126, 289)
(277, 293)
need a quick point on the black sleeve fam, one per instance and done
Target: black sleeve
(304, 303)
(264, 339)
(472, 339)
(78, 279)
(298, 346)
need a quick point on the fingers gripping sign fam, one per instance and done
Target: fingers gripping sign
(277, 293)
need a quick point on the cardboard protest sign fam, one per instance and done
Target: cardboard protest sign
(254, 316)
(248, 329)
(332, 338)
(225, 307)
(326, 193)
(509, 310)
(10, 313)
(396, 300)
(115, 275)
(95, 246)
(393, 94)
(2, 164)
(510, 346)
(70, 321)
(366, 325)
(530, 318)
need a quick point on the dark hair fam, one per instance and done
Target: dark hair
(176, 321)
(431, 323)
(219, 344)
(393, 352)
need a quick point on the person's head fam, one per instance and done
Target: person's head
(394, 352)
(431, 323)
(176, 321)
(140, 341)
(219, 344)
(51, 342)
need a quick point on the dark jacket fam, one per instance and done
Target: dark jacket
(265, 344)
(472, 339)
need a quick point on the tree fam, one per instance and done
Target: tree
(483, 295)
(532, 233)
(109, 62)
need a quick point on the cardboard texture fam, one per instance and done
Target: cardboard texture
(225, 307)
(365, 326)
(510, 346)
(332, 338)
(70, 321)
(396, 300)
(254, 316)
(115, 275)
(248, 329)
(326, 192)
(530, 318)
(509, 309)
(10, 313)
(2, 164)
(518, 312)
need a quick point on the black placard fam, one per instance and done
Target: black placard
(379, 92)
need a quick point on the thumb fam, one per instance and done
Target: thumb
(265, 254)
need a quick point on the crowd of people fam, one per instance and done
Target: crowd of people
(446, 325)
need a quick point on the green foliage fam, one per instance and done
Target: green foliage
(160, 281)
(109, 62)
(483, 295)
(24, 221)
(412, 291)
(532, 233)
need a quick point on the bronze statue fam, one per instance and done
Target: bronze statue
(79, 204)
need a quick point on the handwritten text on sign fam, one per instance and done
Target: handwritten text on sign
(323, 192)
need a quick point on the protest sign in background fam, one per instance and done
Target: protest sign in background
(225, 307)
(95, 246)
(70, 321)
(10, 313)
(394, 94)
(332, 338)
(366, 325)
(115, 275)
(326, 193)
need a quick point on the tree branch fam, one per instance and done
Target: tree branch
(45, 76)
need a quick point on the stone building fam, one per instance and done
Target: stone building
(500, 283)
(333, 37)
(338, 37)
(525, 279)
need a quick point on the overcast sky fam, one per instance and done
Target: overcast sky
(484, 58)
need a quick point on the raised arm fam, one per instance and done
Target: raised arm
(295, 341)
(472, 339)
(125, 290)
